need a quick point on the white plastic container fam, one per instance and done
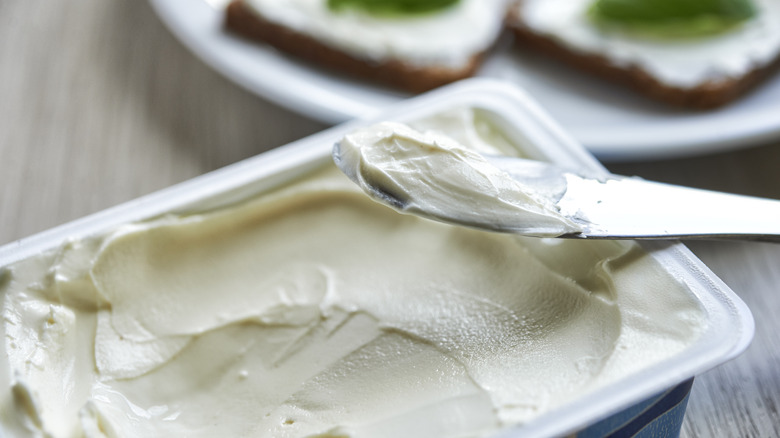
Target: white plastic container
(649, 403)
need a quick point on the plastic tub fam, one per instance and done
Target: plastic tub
(648, 403)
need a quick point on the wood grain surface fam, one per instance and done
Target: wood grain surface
(100, 104)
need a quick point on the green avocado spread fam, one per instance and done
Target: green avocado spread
(672, 18)
(392, 7)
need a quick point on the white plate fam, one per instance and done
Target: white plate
(613, 123)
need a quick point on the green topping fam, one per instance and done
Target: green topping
(392, 7)
(672, 18)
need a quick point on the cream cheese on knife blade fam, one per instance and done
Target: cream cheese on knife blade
(431, 175)
(314, 311)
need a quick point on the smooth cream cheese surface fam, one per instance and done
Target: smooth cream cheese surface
(314, 311)
(432, 175)
(446, 38)
(678, 62)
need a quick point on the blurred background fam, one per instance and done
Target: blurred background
(100, 104)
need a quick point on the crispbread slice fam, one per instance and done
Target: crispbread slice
(398, 73)
(707, 94)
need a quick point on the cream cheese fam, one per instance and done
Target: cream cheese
(313, 311)
(684, 63)
(448, 38)
(431, 175)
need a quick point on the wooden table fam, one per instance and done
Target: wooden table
(99, 104)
